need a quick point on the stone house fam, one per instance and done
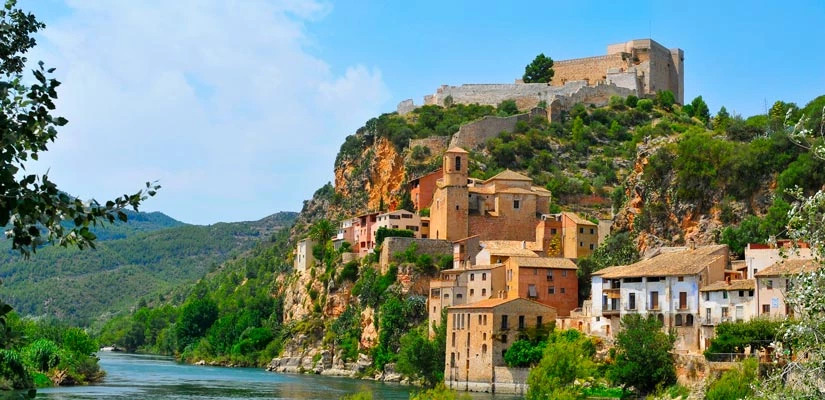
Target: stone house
(479, 334)
(667, 285)
(346, 233)
(550, 281)
(303, 255)
(421, 189)
(399, 219)
(363, 233)
(774, 281)
(466, 285)
(759, 256)
(566, 235)
(725, 301)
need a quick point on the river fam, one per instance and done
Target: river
(135, 376)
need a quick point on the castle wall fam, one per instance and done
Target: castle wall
(436, 144)
(475, 134)
(395, 245)
(591, 69)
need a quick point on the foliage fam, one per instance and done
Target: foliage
(32, 204)
(617, 249)
(506, 108)
(524, 353)
(372, 286)
(540, 70)
(148, 256)
(734, 337)
(699, 109)
(665, 99)
(422, 358)
(384, 232)
(440, 392)
(736, 383)
(567, 357)
(194, 319)
(346, 332)
(645, 105)
(643, 360)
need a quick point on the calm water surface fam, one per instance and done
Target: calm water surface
(132, 376)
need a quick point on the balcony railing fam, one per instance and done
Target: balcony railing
(713, 321)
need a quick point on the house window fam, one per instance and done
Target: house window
(724, 294)
(724, 313)
(552, 231)
(689, 320)
(591, 246)
(654, 300)
(484, 350)
(485, 321)
(564, 273)
(551, 290)
(472, 277)
(770, 284)
(538, 321)
(521, 322)
(458, 163)
(472, 292)
(483, 292)
(766, 308)
(678, 319)
(531, 291)
(707, 315)
(631, 301)
(681, 279)
(459, 296)
(503, 340)
(592, 231)
(581, 244)
(741, 293)
(516, 204)
(562, 290)
(453, 339)
(682, 300)
(479, 319)
(509, 274)
(484, 276)
(504, 324)
(535, 271)
(581, 230)
(707, 296)
(750, 293)
(549, 275)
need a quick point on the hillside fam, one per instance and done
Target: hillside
(666, 172)
(148, 256)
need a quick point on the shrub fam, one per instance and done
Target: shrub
(666, 99)
(349, 272)
(524, 353)
(645, 105)
(631, 101)
(616, 103)
(42, 354)
(643, 360)
(735, 383)
(506, 108)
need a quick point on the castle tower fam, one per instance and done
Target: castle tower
(449, 213)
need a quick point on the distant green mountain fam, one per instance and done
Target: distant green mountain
(149, 255)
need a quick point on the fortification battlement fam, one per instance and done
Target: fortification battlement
(641, 67)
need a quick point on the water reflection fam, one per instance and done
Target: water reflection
(132, 376)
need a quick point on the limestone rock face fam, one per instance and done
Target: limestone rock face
(369, 335)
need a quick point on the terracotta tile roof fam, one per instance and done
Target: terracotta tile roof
(493, 303)
(508, 175)
(790, 267)
(577, 219)
(456, 149)
(439, 171)
(513, 248)
(481, 189)
(685, 262)
(544, 262)
(736, 284)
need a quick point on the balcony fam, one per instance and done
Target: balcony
(713, 321)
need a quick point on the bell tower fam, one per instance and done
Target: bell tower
(449, 213)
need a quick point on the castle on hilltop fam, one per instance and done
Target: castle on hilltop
(639, 67)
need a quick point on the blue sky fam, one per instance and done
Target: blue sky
(238, 109)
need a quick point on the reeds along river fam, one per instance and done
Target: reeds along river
(133, 376)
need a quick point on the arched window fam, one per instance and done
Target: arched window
(661, 318)
(678, 319)
(689, 320)
(458, 163)
(484, 349)
(483, 276)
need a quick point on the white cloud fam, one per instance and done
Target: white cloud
(220, 101)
